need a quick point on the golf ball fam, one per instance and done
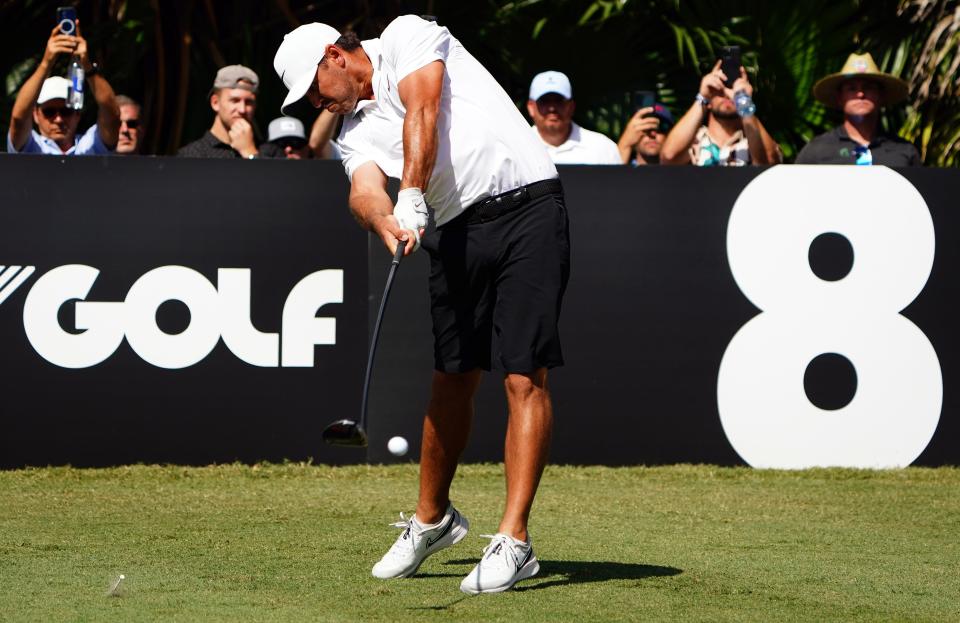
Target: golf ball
(398, 446)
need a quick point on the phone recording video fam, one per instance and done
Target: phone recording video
(643, 99)
(67, 20)
(730, 64)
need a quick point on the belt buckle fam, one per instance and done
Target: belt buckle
(491, 205)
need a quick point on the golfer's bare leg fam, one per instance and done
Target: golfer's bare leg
(446, 429)
(527, 446)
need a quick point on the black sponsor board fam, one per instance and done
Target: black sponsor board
(126, 217)
(651, 308)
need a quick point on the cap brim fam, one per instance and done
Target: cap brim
(297, 91)
(548, 92)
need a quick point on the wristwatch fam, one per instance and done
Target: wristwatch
(93, 71)
(700, 98)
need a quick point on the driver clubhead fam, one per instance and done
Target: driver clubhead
(345, 433)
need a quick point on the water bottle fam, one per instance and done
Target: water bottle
(744, 103)
(75, 90)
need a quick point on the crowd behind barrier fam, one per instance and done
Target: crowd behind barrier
(721, 127)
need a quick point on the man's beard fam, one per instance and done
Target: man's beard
(721, 114)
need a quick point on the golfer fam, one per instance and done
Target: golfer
(479, 193)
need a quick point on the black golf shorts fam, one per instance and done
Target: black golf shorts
(496, 285)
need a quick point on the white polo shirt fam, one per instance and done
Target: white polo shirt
(484, 146)
(582, 147)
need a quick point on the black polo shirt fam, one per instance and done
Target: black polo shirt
(208, 146)
(836, 147)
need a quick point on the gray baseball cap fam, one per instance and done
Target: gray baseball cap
(285, 127)
(236, 77)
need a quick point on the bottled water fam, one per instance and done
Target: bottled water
(75, 90)
(744, 103)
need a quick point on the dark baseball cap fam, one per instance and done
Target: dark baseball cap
(662, 113)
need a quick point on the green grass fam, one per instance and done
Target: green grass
(296, 542)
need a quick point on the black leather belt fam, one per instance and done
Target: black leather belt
(492, 208)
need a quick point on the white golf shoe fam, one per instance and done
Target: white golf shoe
(418, 541)
(505, 562)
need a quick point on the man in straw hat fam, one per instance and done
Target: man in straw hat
(859, 90)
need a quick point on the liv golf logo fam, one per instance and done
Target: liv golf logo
(221, 311)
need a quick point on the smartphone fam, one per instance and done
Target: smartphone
(67, 20)
(643, 99)
(730, 63)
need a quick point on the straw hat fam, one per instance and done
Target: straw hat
(860, 65)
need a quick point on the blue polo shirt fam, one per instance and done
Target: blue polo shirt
(87, 144)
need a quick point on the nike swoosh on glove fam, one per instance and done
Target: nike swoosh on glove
(411, 212)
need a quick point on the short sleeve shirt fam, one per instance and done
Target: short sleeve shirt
(582, 147)
(87, 144)
(485, 146)
(705, 152)
(836, 147)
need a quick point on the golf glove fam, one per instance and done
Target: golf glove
(411, 212)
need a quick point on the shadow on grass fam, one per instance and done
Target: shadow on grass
(562, 572)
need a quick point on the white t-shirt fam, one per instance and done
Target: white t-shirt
(582, 147)
(484, 146)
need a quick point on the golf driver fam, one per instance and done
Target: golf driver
(352, 432)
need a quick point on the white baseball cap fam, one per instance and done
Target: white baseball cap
(550, 82)
(298, 56)
(284, 127)
(54, 88)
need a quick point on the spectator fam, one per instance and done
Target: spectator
(551, 107)
(714, 133)
(43, 100)
(234, 99)
(642, 139)
(859, 90)
(131, 126)
(286, 138)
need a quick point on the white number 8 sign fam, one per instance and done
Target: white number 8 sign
(764, 408)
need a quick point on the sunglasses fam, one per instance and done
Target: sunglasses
(296, 143)
(133, 124)
(63, 111)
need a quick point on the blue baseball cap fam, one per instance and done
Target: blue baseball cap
(662, 113)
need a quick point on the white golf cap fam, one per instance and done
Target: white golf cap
(284, 127)
(53, 89)
(298, 56)
(550, 82)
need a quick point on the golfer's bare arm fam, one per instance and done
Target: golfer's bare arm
(373, 208)
(369, 201)
(420, 93)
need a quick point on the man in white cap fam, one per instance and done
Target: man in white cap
(859, 89)
(234, 100)
(42, 100)
(286, 138)
(551, 107)
(418, 107)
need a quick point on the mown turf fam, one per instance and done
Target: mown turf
(296, 542)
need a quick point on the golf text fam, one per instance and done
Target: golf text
(221, 311)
